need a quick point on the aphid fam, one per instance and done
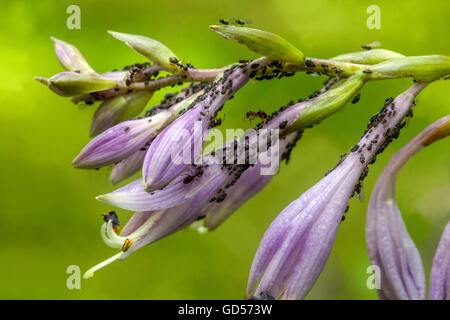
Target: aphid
(354, 148)
(223, 21)
(283, 125)
(240, 22)
(356, 98)
(126, 129)
(309, 63)
(112, 216)
(126, 245)
(215, 122)
(258, 114)
(362, 159)
(367, 71)
(339, 70)
(173, 60)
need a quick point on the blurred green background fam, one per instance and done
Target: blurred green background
(49, 218)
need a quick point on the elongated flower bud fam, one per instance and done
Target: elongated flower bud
(153, 50)
(421, 68)
(297, 244)
(118, 109)
(70, 57)
(368, 56)
(265, 43)
(120, 141)
(178, 145)
(388, 241)
(69, 84)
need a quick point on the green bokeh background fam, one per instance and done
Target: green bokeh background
(49, 218)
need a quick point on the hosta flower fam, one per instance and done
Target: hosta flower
(195, 194)
(388, 241)
(297, 244)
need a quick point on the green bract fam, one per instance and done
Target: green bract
(373, 56)
(328, 103)
(153, 50)
(265, 43)
(422, 68)
(69, 84)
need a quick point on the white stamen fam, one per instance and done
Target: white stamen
(90, 273)
(108, 241)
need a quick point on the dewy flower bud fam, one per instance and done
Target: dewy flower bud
(265, 43)
(69, 83)
(70, 57)
(421, 68)
(153, 50)
(120, 141)
(297, 244)
(388, 241)
(118, 109)
(373, 56)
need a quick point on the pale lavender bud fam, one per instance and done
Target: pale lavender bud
(389, 244)
(118, 109)
(297, 244)
(120, 141)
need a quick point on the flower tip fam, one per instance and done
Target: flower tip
(89, 274)
(42, 80)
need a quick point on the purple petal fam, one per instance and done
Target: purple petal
(134, 197)
(440, 273)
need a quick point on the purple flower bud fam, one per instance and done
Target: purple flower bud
(181, 143)
(389, 244)
(120, 141)
(297, 244)
(70, 57)
(118, 109)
